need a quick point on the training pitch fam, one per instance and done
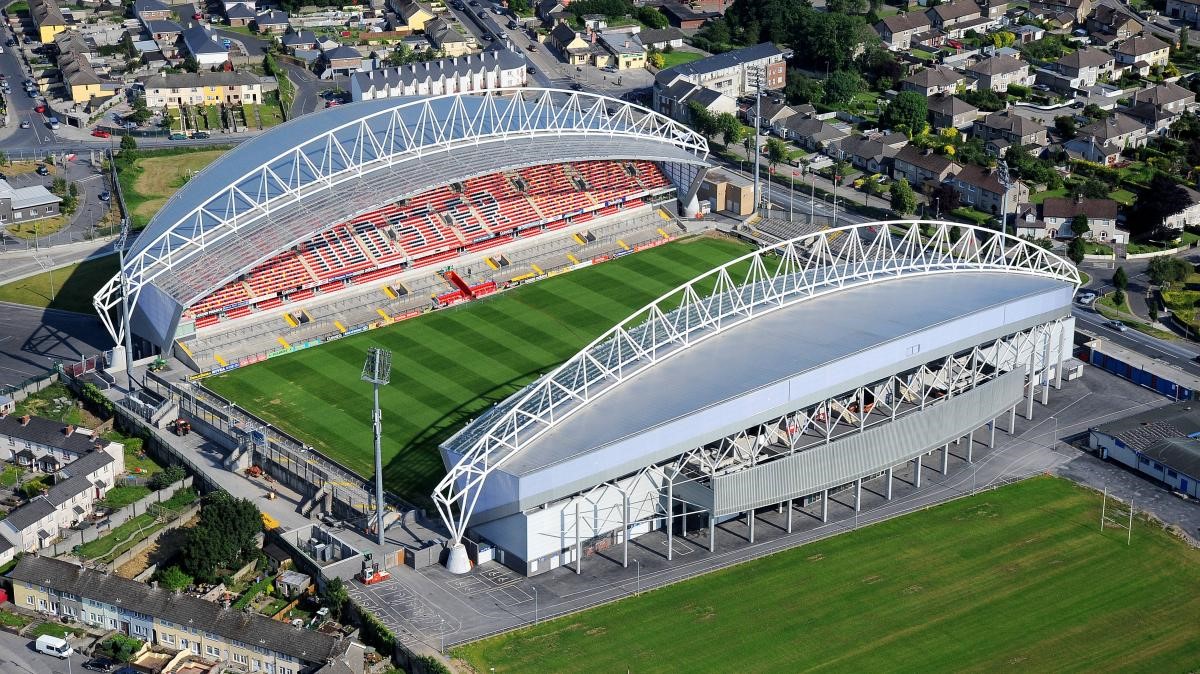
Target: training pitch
(449, 365)
(1020, 578)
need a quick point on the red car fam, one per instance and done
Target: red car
(197, 16)
(40, 109)
(101, 133)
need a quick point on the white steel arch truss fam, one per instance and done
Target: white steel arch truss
(405, 132)
(755, 284)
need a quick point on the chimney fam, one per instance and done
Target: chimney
(154, 584)
(70, 429)
(25, 420)
(1078, 198)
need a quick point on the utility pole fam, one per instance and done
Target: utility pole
(1006, 182)
(377, 370)
(758, 92)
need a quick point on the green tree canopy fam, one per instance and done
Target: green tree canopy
(904, 200)
(1120, 279)
(842, 86)
(223, 538)
(1076, 250)
(1079, 225)
(907, 111)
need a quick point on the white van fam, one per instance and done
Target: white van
(52, 645)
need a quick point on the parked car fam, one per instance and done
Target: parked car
(101, 133)
(55, 646)
(201, 135)
(226, 42)
(105, 196)
(100, 665)
(531, 70)
(42, 170)
(481, 14)
(178, 136)
(1086, 297)
(25, 124)
(53, 122)
(40, 109)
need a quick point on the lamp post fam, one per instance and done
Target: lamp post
(637, 587)
(535, 617)
(377, 370)
(1054, 437)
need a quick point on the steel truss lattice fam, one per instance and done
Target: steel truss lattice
(767, 280)
(405, 132)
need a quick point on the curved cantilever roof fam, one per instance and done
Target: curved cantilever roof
(758, 284)
(307, 175)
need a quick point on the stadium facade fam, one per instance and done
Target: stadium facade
(365, 192)
(797, 370)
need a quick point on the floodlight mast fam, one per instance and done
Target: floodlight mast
(378, 370)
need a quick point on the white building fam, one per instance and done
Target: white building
(1160, 443)
(497, 69)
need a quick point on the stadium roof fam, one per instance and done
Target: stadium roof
(836, 308)
(309, 174)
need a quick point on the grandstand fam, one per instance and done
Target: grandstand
(356, 214)
(797, 371)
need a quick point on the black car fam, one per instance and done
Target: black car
(42, 170)
(481, 14)
(100, 664)
(201, 135)
(577, 86)
(105, 196)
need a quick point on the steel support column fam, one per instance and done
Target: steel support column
(858, 495)
(789, 516)
(889, 484)
(625, 528)
(825, 506)
(670, 522)
(578, 543)
(917, 473)
(712, 533)
(750, 521)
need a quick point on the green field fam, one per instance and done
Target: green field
(1018, 579)
(450, 365)
(68, 288)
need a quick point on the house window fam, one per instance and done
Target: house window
(168, 639)
(241, 659)
(42, 604)
(29, 600)
(212, 650)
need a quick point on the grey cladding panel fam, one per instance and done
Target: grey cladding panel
(868, 452)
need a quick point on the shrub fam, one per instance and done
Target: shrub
(166, 478)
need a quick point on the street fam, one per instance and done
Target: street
(18, 657)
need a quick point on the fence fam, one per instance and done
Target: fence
(19, 392)
(118, 517)
(138, 548)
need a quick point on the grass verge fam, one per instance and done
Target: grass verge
(133, 530)
(156, 175)
(68, 288)
(1024, 575)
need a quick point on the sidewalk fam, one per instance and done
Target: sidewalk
(18, 264)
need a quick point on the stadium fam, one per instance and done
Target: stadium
(376, 211)
(799, 370)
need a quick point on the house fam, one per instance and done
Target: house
(78, 76)
(178, 622)
(1186, 10)
(1160, 443)
(445, 38)
(151, 10)
(730, 74)
(951, 112)
(47, 18)
(272, 22)
(1059, 212)
(570, 44)
(922, 167)
(676, 100)
(302, 39)
(1143, 52)
(684, 17)
(164, 32)
(497, 69)
(41, 437)
(898, 30)
(872, 154)
(946, 16)
(290, 584)
(227, 5)
(936, 80)
(204, 45)
(997, 72)
(660, 39)
(341, 59)
(1188, 215)
(1084, 67)
(594, 22)
(1160, 106)
(1009, 126)
(625, 50)
(413, 15)
(812, 133)
(551, 11)
(1109, 23)
(239, 15)
(727, 193)
(772, 111)
(1025, 34)
(1077, 9)
(1104, 140)
(77, 487)
(169, 91)
(981, 189)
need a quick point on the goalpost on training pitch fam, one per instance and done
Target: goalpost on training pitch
(1120, 516)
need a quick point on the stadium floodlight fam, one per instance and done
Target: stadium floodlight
(378, 371)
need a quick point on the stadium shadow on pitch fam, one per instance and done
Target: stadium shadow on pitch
(403, 476)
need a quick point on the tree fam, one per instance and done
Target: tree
(140, 112)
(1066, 126)
(1093, 111)
(1165, 270)
(841, 87)
(1076, 250)
(120, 647)
(1185, 36)
(656, 60)
(1159, 200)
(1079, 225)
(801, 88)
(173, 578)
(334, 596)
(190, 64)
(777, 151)
(944, 198)
(702, 119)
(1120, 279)
(649, 16)
(166, 478)
(848, 6)
(224, 537)
(3, 157)
(729, 127)
(128, 143)
(907, 111)
(904, 200)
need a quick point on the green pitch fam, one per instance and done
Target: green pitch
(1019, 579)
(449, 365)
